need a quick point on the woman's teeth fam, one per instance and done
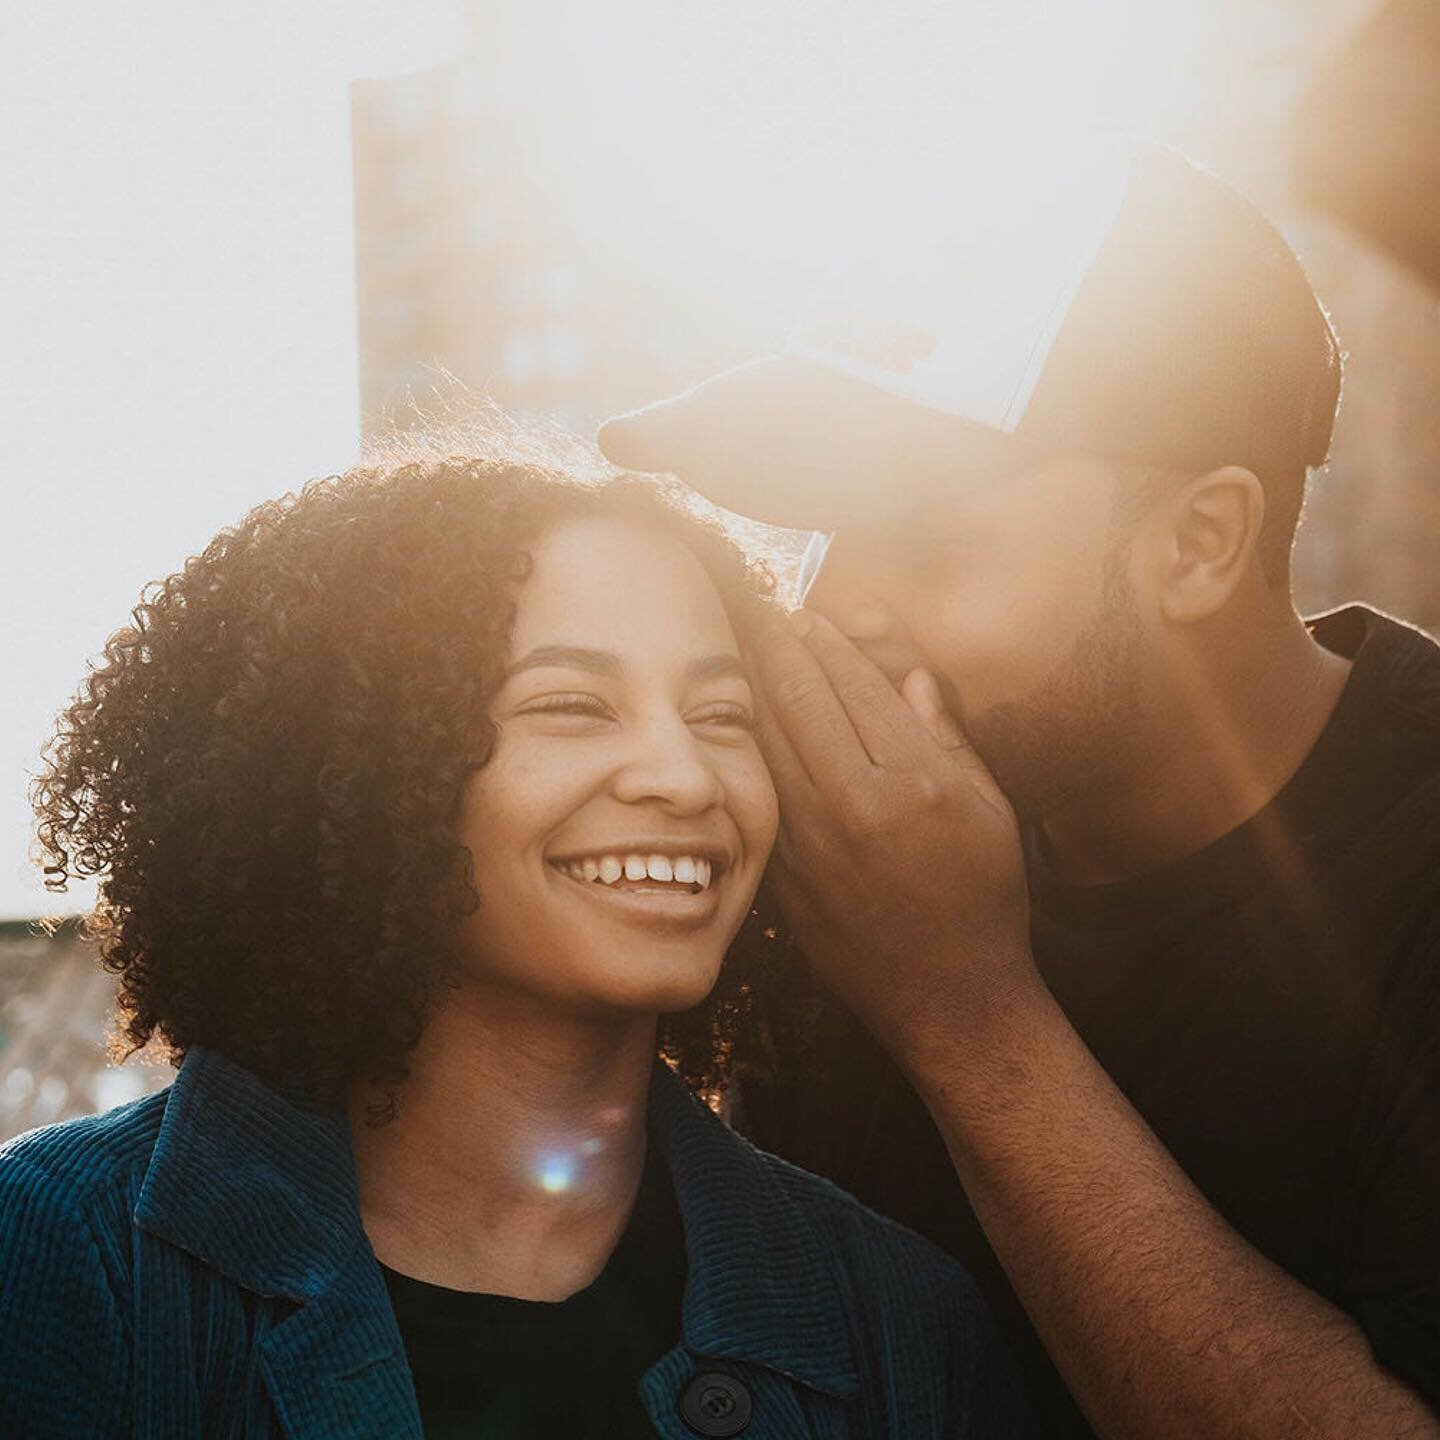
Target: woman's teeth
(667, 869)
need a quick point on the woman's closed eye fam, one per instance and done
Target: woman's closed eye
(719, 715)
(727, 715)
(579, 704)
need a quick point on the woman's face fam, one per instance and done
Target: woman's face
(621, 825)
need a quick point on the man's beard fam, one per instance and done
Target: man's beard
(1068, 738)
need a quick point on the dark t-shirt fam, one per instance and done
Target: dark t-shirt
(1270, 1005)
(494, 1366)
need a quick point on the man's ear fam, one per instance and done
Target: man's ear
(1210, 531)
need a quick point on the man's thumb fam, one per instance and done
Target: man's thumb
(920, 692)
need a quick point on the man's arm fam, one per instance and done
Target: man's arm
(1163, 1320)
(899, 868)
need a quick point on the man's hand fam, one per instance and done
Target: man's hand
(898, 863)
(899, 867)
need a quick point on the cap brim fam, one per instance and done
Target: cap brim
(792, 442)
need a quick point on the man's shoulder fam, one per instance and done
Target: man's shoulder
(1398, 663)
(1365, 805)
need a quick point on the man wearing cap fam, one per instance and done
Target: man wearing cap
(1134, 874)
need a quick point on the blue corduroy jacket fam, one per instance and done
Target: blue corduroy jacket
(194, 1264)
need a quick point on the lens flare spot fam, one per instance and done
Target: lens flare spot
(556, 1173)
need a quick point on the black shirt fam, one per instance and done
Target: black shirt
(493, 1366)
(1270, 1005)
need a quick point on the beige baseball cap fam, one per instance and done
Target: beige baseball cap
(1120, 302)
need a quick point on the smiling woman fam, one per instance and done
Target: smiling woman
(426, 808)
(265, 769)
(626, 755)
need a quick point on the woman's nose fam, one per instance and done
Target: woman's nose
(669, 765)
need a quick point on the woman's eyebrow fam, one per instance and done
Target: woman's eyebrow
(568, 657)
(716, 667)
(605, 662)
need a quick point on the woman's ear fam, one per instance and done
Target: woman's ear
(1211, 528)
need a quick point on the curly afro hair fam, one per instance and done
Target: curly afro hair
(265, 767)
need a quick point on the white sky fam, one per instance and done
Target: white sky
(177, 318)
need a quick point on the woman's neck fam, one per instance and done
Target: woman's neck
(515, 1155)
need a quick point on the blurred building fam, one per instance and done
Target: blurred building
(481, 268)
(462, 261)
(480, 257)
(54, 1000)
(1364, 136)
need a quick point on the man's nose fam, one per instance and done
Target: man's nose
(849, 592)
(667, 764)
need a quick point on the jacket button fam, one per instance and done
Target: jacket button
(715, 1404)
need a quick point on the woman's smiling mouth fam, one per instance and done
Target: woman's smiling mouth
(632, 867)
(673, 887)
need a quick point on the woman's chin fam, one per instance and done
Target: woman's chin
(600, 973)
(647, 979)
(664, 991)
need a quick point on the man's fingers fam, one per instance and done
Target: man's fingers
(883, 721)
(804, 707)
(793, 784)
(921, 693)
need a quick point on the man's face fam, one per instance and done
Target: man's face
(1018, 594)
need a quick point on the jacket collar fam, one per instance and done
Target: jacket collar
(258, 1189)
(761, 1284)
(266, 1193)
